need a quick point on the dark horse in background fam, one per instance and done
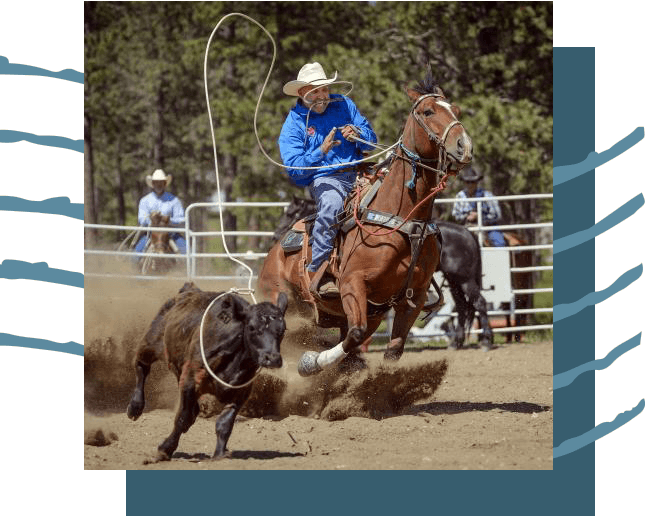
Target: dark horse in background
(460, 264)
(378, 266)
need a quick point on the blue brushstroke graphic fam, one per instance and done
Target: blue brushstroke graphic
(565, 378)
(565, 173)
(564, 310)
(573, 444)
(19, 270)
(613, 219)
(70, 347)
(55, 205)
(9, 137)
(7, 68)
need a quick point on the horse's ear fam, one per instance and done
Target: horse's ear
(456, 110)
(439, 91)
(165, 219)
(413, 95)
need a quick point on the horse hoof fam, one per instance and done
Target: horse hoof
(308, 364)
(392, 355)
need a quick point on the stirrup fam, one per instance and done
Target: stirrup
(329, 289)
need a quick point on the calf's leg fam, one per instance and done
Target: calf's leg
(185, 418)
(223, 427)
(137, 402)
(149, 351)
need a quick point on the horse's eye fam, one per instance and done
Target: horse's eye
(428, 113)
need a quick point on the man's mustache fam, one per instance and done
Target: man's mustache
(322, 101)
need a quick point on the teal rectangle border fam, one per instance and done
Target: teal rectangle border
(566, 490)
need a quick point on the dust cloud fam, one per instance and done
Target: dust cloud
(118, 312)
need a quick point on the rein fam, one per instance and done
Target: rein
(440, 186)
(415, 160)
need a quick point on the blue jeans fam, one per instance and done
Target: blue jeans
(496, 238)
(329, 192)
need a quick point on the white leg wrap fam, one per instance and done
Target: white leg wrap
(331, 356)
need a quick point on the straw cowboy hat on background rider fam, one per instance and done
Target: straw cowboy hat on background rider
(316, 143)
(159, 181)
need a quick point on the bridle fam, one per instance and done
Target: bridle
(415, 159)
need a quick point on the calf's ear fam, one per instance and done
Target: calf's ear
(239, 307)
(283, 301)
(235, 305)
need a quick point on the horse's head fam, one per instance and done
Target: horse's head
(433, 129)
(159, 241)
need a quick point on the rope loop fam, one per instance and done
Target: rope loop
(201, 342)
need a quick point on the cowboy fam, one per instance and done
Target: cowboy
(466, 211)
(317, 140)
(159, 200)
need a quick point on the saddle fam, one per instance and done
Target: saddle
(299, 236)
(366, 186)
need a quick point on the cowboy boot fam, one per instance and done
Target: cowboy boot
(320, 288)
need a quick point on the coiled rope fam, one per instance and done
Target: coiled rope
(249, 291)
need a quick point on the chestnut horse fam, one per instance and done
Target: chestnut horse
(161, 243)
(381, 268)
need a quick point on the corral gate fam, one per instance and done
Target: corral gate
(497, 271)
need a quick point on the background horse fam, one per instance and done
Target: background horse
(460, 264)
(377, 267)
(159, 243)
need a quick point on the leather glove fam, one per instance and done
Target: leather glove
(329, 141)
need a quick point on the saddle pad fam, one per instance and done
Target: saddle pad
(292, 241)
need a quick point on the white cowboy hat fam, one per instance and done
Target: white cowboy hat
(159, 175)
(311, 73)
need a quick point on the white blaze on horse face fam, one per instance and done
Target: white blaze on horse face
(448, 107)
(466, 142)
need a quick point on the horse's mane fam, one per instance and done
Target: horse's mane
(428, 85)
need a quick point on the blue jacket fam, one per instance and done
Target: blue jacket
(300, 146)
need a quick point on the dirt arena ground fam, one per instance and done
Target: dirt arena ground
(434, 409)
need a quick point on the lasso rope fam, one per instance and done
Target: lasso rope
(249, 290)
(201, 346)
(255, 128)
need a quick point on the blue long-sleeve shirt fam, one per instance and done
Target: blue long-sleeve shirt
(300, 145)
(167, 204)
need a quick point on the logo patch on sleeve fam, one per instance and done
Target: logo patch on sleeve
(311, 130)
